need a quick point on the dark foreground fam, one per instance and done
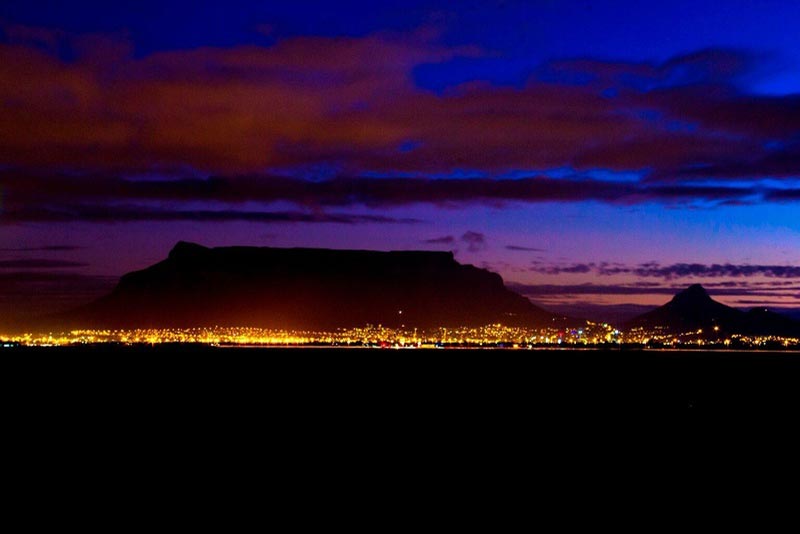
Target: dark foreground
(437, 387)
(294, 423)
(366, 437)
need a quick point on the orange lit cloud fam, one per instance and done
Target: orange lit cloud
(352, 103)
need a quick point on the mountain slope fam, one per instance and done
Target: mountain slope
(693, 309)
(308, 289)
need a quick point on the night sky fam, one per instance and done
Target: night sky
(598, 155)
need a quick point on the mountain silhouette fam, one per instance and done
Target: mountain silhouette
(693, 309)
(307, 288)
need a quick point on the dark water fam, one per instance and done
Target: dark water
(293, 421)
(446, 384)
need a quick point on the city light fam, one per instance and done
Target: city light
(494, 335)
(489, 336)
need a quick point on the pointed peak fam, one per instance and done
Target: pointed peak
(185, 248)
(693, 293)
(696, 289)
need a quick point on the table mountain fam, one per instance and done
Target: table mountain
(307, 288)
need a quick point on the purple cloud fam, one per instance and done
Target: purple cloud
(445, 240)
(38, 263)
(673, 271)
(475, 241)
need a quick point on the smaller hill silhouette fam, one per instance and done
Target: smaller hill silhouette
(305, 289)
(693, 309)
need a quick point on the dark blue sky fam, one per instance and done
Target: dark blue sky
(626, 147)
(522, 35)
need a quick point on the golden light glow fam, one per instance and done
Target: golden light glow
(369, 335)
(493, 335)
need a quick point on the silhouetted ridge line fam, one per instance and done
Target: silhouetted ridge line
(309, 288)
(693, 309)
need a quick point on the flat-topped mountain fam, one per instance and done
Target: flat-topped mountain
(305, 288)
(693, 309)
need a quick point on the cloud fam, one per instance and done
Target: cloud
(710, 66)
(445, 240)
(673, 271)
(577, 268)
(38, 263)
(45, 248)
(783, 195)
(130, 213)
(681, 270)
(518, 248)
(321, 122)
(43, 192)
(351, 104)
(475, 241)
(218, 109)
